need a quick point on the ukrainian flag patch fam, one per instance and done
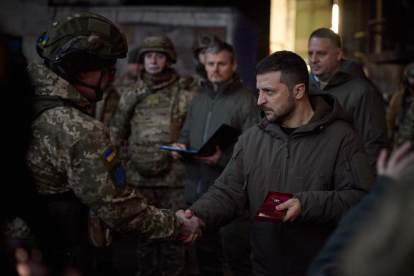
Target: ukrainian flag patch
(45, 40)
(109, 155)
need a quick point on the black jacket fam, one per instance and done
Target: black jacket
(231, 104)
(322, 163)
(362, 104)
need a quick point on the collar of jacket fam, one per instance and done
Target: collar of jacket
(348, 70)
(48, 83)
(154, 86)
(326, 110)
(223, 87)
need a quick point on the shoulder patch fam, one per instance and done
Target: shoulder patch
(110, 154)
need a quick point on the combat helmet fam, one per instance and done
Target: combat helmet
(409, 70)
(159, 43)
(81, 42)
(203, 41)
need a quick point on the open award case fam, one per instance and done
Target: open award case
(268, 212)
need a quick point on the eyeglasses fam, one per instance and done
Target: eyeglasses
(111, 71)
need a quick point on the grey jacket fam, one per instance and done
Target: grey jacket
(232, 104)
(323, 164)
(362, 104)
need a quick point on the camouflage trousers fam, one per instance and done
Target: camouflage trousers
(162, 258)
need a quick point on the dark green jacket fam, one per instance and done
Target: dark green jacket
(323, 164)
(232, 104)
(362, 104)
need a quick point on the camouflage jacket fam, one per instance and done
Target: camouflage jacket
(197, 80)
(396, 112)
(151, 114)
(106, 108)
(71, 151)
(407, 126)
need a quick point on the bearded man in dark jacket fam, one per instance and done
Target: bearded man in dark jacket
(346, 80)
(303, 146)
(225, 101)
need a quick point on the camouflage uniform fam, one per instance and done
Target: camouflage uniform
(68, 153)
(399, 104)
(151, 113)
(407, 127)
(105, 109)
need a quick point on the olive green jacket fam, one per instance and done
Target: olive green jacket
(362, 104)
(322, 163)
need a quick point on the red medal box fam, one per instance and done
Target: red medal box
(268, 210)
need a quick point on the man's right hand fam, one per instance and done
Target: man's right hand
(398, 162)
(176, 154)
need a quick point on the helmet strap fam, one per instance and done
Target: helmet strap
(99, 92)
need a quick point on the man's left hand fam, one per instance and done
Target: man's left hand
(211, 160)
(293, 209)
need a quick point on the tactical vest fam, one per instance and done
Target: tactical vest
(155, 121)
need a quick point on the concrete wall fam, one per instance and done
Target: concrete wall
(29, 19)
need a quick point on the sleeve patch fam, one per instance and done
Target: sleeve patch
(118, 175)
(110, 154)
(114, 167)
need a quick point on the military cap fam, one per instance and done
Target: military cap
(159, 43)
(204, 41)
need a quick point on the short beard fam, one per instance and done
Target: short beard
(286, 113)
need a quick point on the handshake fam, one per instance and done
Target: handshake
(191, 228)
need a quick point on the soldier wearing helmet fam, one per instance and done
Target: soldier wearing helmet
(399, 104)
(105, 109)
(200, 46)
(74, 165)
(151, 113)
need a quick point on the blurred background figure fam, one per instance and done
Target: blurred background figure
(225, 101)
(376, 237)
(20, 198)
(200, 46)
(105, 109)
(151, 113)
(399, 105)
(346, 81)
(384, 244)
(407, 126)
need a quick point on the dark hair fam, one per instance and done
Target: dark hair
(327, 33)
(218, 47)
(292, 67)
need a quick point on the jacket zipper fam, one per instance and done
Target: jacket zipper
(204, 140)
(285, 157)
(284, 180)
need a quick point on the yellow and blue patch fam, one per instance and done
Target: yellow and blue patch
(109, 155)
(45, 40)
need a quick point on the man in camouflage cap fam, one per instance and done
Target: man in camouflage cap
(73, 164)
(399, 105)
(151, 113)
(105, 109)
(200, 46)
